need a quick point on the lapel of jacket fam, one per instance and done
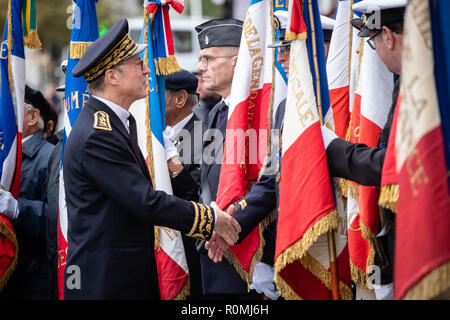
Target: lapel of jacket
(119, 127)
(212, 117)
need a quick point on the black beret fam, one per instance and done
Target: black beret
(106, 52)
(219, 33)
(182, 80)
(36, 99)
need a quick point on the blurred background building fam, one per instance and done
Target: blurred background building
(54, 19)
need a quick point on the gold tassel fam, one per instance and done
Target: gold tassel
(389, 197)
(185, 291)
(32, 40)
(168, 65)
(432, 285)
(353, 190)
(6, 232)
(291, 36)
(78, 48)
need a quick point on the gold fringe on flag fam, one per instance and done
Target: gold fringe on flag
(359, 276)
(148, 127)
(185, 291)
(432, 285)
(78, 48)
(300, 248)
(247, 276)
(167, 65)
(32, 40)
(299, 252)
(389, 197)
(291, 36)
(8, 234)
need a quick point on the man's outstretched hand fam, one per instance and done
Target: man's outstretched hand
(218, 244)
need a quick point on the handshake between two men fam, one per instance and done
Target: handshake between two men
(226, 233)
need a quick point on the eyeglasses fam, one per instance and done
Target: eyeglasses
(205, 60)
(370, 40)
(139, 63)
(285, 49)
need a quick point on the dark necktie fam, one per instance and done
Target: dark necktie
(133, 129)
(222, 118)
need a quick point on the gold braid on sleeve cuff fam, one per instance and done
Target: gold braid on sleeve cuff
(202, 227)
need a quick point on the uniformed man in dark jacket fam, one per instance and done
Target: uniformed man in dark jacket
(219, 41)
(111, 203)
(263, 199)
(363, 164)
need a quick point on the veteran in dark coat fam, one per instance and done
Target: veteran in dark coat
(112, 206)
(31, 278)
(219, 41)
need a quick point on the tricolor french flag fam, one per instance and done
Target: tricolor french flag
(173, 272)
(247, 132)
(339, 70)
(307, 210)
(422, 240)
(12, 82)
(164, 53)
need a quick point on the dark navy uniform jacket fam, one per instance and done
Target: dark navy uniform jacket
(358, 162)
(113, 208)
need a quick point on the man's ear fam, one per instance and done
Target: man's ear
(234, 59)
(388, 37)
(34, 117)
(180, 98)
(111, 76)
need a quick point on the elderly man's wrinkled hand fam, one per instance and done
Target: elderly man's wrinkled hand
(216, 247)
(226, 226)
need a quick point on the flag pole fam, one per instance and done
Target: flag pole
(330, 233)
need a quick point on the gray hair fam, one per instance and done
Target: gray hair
(29, 107)
(96, 85)
(192, 99)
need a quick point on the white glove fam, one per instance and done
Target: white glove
(328, 136)
(171, 150)
(384, 291)
(8, 205)
(263, 281)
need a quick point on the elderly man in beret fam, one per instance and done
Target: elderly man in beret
(112, 207)
(185, 131)
(30, 280)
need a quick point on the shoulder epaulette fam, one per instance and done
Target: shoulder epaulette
(101, 121)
